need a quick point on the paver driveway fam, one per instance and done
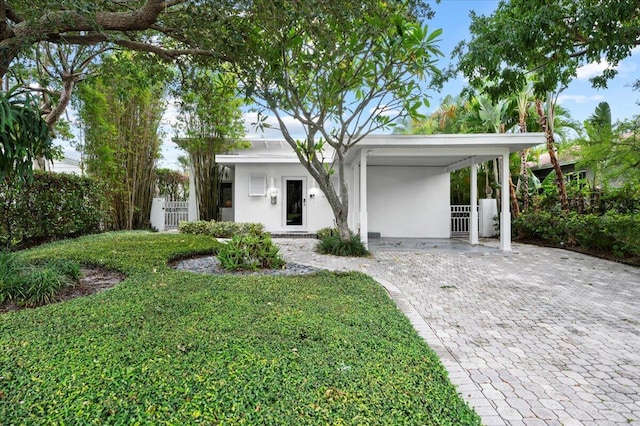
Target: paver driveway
(535, 336)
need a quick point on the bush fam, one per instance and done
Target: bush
(613, 233)
(36, 284)
(220, 229)
(250, 252)
(332, 244)
(52, 206)
(326, 232)
(9, 272)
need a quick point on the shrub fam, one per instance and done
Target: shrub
(9, 272)
(52, 206)
(197, 227)
(250, 252)
(40, 285)
(220, 229)
(326, 232)
(614, 233)
(540, 226)
(35, 284)
(332, 244)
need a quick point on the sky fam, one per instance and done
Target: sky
(453, 17)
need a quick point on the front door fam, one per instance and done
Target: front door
(295, 203)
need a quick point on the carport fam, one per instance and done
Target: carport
(442, 154)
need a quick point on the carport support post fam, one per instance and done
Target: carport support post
(364, 230)
(505, 215)
(473, 225)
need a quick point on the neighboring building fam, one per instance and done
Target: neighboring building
(543, 167)
(398, 184)
(65, 165)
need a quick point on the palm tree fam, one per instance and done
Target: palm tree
(599, 135)
(546, 121)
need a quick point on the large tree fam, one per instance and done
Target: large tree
(342, 70)
(167, 28)
(549, 38)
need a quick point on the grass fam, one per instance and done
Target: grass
(171, 347)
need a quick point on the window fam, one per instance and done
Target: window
(226, 195)
(257, 186)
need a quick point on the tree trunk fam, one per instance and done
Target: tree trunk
(550, 142)
(515, 207)
(524, 173)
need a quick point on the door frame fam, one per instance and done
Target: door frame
(303, 200)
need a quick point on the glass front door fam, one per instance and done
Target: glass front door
(295, 202)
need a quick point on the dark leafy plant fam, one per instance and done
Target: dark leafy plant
(250, 252)
(332, 244)
(612, 233)
(51, 206)
(24, 135)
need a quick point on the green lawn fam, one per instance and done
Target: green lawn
(168, 347)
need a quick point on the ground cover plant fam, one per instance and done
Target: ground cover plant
(173, 347)
(34, 284)
(330, 243)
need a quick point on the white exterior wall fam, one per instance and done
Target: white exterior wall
(259, 209)
(409, 202)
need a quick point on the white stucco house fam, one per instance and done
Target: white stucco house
(398, 185)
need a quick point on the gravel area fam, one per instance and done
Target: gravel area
(211, 265)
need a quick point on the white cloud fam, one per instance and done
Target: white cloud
(384, 110)
(591, 70)
(295, 128)
(579, 99)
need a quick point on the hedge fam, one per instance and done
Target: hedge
(614, 233)
(52, 206)
(220, 229)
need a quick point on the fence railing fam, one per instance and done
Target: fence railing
(460, 219)
(174, 212)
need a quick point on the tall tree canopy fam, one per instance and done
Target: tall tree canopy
(211, 120)
(342, 70)
(120, 110)
(550, 38)
(168, 28)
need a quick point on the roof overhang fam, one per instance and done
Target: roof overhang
(448, 152)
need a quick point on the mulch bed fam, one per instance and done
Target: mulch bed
(92, 281)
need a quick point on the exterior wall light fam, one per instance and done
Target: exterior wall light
(273, 193)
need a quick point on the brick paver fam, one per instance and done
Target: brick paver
(535, 336)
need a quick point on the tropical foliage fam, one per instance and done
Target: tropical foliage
(172, 185)
(24, 136)
(120, 110)
(525, 36)
(210, 117)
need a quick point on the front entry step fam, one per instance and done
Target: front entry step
(293, 234)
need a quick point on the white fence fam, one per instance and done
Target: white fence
(174, 212)
(460, 219)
